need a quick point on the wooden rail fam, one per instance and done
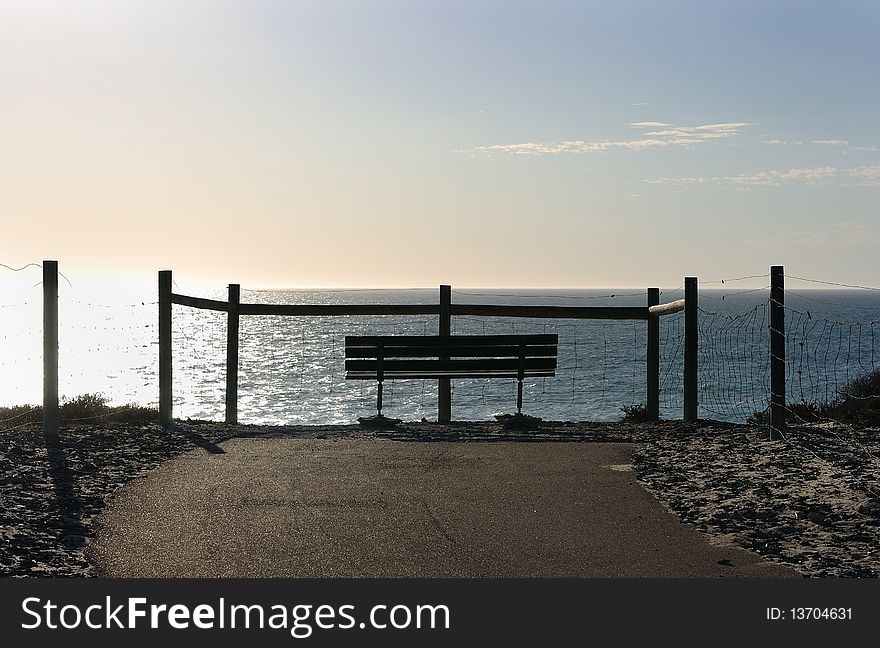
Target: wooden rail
(339, 309)
(666, 309)
(553, 312)
(199, 302)
(476, 310)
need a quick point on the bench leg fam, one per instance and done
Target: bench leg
(519, 396)
(379, 399)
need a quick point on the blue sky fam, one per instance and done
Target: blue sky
(475, 143)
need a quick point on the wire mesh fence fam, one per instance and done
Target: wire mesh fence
(831, 355)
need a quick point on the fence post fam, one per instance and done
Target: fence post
(50, 350)
(232, 355)
(165, 392)
(777, 352)
(690, 348)
(653, 359)
(444, 389)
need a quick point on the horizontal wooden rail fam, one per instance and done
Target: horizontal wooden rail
(339, 309)
(554, 312)
(667, 309)
(308, 309)
(199, 302)
(485, 310)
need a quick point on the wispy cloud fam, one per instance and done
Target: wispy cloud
(668, 135)
(841, 144)
(769, 178)
(648, 124)
(867, 176)
(819, 142)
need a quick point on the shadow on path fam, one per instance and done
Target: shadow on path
(199, 441)
(67, 499)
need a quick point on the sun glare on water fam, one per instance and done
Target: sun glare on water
(97, 330)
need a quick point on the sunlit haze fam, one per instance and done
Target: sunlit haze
(521, 144)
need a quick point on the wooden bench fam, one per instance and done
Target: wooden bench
(389, 357)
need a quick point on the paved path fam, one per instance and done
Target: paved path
(379, 508)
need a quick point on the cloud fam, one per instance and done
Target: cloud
(769, 178)
(727, 128)
(864, 176)
(648, 124)
(669, 135)
(820, 142)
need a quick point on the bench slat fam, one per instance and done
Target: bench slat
(457, 340)
(371, 375)
(454, 351)
(443, 366)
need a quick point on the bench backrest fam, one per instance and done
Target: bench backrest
(450, 356)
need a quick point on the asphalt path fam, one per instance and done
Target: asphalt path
(367, 507)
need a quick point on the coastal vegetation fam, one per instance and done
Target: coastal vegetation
(85, 408)
(858, 403)
(635, 413)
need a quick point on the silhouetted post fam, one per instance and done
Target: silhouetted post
(50, 350)
(444, 389)
(652, 380)
(165, 393)
(690, 348)
(777, 352)
(232, 355)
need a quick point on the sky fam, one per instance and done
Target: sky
(407, 143)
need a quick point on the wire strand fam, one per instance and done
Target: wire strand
(831, 283)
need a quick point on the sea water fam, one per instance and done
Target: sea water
(291, 369)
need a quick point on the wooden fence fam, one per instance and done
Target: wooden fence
(444, 309)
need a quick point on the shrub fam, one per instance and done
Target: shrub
(858, 404)
(79, 410)
(865, 387)
(84, 406)
(19, 415)
(635, 413)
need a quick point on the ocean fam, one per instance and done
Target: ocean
(292, 368)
